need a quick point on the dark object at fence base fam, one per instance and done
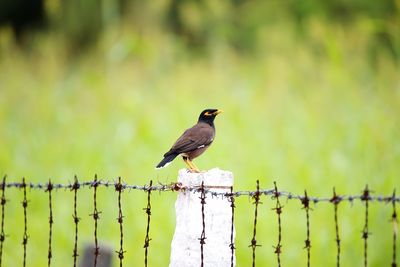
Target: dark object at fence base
(104, 259)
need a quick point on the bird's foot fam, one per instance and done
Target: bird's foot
(193, 170)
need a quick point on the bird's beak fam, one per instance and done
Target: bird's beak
(218, 112)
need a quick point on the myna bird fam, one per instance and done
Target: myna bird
(194, 141)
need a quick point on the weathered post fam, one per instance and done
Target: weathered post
(186, 247)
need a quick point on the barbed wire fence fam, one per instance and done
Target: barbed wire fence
(205, 191)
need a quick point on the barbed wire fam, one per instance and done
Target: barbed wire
(25, 208)
(365, 232)
(253, 243)
(75, 188)
(3, 203)
(366, 197)
(208, 189)
(120, 220)
(49, 253)
(96, 217)
(306, 206)
(278, 209)
(148, 212)
(232, 244)
(335, 201)
(202, 238)
(394, 222)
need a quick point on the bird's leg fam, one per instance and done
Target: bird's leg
(186, 160)
(194, 168)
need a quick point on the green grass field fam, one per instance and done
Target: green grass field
(310, 113)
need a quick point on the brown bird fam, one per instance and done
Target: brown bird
(194, 141)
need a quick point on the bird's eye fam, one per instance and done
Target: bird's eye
(207, 113)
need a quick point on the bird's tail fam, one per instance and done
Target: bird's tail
(166, 161)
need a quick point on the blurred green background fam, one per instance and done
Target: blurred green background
(310, 90)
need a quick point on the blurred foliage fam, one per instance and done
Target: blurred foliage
(311, 93)
(22, 15)
(201, 23)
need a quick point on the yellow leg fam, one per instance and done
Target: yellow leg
(192, 167)
(187, 162)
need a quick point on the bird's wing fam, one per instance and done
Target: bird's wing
(198, 136)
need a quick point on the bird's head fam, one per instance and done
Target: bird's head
(209, 115)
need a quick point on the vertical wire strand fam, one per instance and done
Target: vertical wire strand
(75, 188)
(335, 200)
(254, 244)
(278, 209)
(119, 188)
(306, 206)
(96, 217)
(25, 207)
(394, 223)
(3, 203)
(365, 233)
(203, 232)
(148, 212)
(49, 189)
(232, 244)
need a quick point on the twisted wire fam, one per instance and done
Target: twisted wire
(3, 203)
(148, 212)
(49, 253)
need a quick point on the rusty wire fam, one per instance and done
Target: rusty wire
(365, 232)
(96, 217)
(75, 187)
(394, 222)
(306, 206)
(3, 203)
(232, 244)
(203, 232)
(49, 253)
(119, 188)
(278, 209)
(208, 190)
(366, 198)
(148, 212)
(25, 207)
(254, 244)
(335, 200)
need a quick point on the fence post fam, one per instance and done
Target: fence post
(186, 247)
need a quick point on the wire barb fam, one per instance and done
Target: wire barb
(306, 206)
(203, 232)
(148, 212)
(256, 202)
(278, 209)
(120, 188)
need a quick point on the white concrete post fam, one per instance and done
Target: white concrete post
(185, 247)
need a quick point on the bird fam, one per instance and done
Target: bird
(194, 141)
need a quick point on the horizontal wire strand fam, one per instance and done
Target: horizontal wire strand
(208, 189)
